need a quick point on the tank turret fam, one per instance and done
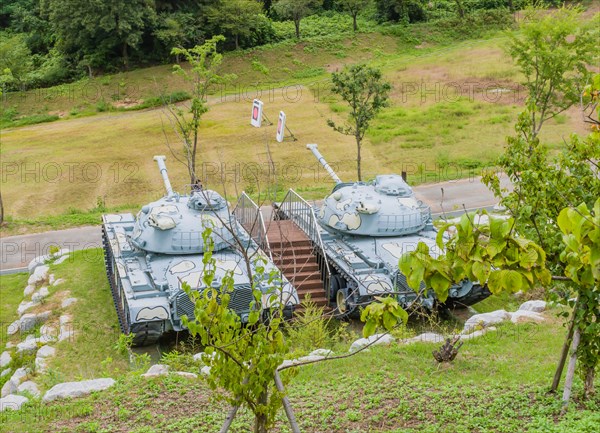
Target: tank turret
(386, 206)
(174, 224)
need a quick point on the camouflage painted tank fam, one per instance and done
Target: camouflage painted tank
(149, 256)
(366, 227)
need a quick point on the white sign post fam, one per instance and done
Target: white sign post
(280, 127)
(257, 113)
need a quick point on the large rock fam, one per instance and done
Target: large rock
(321, 352)
(486, 319)
(5, 372)
(30, 345)
(157, 370)
(205, 370)
(12, 402)
(524, 316)
(67, 302)
(5, 359)
(39, 274)
(24, 306)
(77, 389)
(373, 340)
(29, 387)
(29, 290)
(13, 328)
(29, 321)
(40, 294)
(476, 334)
(41, 358)
(186, 374)
(536, 306)
(19, 375)
(427, 337)
(9, 388)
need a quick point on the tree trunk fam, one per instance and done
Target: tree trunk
(260, 420)
(297, 25)
(461, 11)
(125, 56)
(229, 419)
(565, 351)
(286, 404)
(1, 209)
(90, 71)
(588, 386)
(355, 26)
(237, 41)
(358, 158)
(570, 371)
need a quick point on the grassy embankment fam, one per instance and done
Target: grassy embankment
(497, 383)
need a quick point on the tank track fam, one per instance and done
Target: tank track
(144, 333)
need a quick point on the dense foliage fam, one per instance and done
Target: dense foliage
(46, 42)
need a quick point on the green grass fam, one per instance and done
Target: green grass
(91, 353)
(497, 383)
(72, 218)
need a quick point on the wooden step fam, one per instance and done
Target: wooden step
(300, 267)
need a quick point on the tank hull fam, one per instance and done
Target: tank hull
(146, 287)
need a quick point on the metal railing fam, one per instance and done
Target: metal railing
(248, 214)
(301, 213)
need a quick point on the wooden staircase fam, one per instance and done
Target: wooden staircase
(293, 254)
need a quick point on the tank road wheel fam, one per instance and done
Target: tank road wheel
(343, 309)
(146, 333)
(336, 283)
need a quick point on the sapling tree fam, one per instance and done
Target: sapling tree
(366, 92)
(553, 53)
(353, 7)
(245, 358)
(489, 250)
(204, 61)
(295, 10)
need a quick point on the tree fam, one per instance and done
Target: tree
(235, 17)
(204, 63)
(243, 357)
(580, 228)
(295, 10)
(493, 253)
(96, 29)
(553, 53)
(15, 62)
(353, 7)
(177, 29)
(365, 91)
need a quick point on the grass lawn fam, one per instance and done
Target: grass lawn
(91, 351)
(497, 383)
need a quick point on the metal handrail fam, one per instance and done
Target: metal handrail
(248, 213)
(301, 213)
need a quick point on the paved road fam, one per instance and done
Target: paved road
(17, 251)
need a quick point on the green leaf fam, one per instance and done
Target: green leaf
(369, 328)
(481, 271)
(494, 282)
(440, 286)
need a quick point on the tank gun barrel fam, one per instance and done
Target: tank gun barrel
(314, 149)
(160, 160)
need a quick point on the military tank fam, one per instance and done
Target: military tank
(366, 227)
(149, 256)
